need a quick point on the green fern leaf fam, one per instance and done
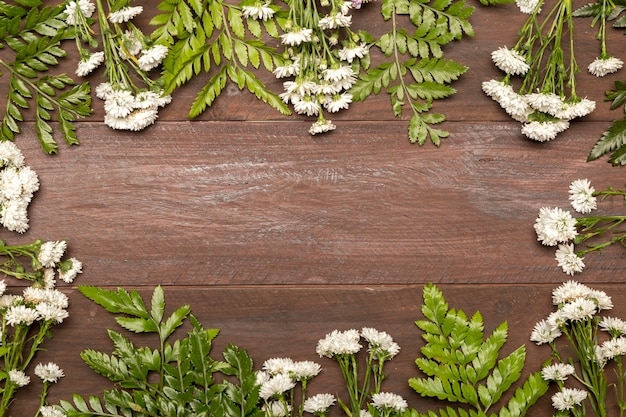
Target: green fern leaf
(612, 139)
(479, 386)
(209, 93)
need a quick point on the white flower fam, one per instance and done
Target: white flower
(151, 58)
(557, 372)
(49, 278)
(10, 184)
(20, 314)
(528, 6)
(307, 106)
(568, 260)
(569, 291)
(296, 37)
(50, 411)
(119, 103)
(579, 309)
(544, 332)
(389, 401)
(581, 196)
(260, 12)
(8, 300)
(339, 343)
(275, 366)
(276, 385)
(3, 287)
(319, 404)
(568, 398)
(615, 326)
(29, 181)
(339, 73)
(125, 14)
(104, 90)
(338, 102)
(510, 61)
(141, 118)
(84, 6)
(14, 216)
(69, 274)
(305, 370)
(50, 312)
(321, 126)
(580, 108)
(18, 377)
(545, 102)
(290, 69)
(300, 87)
(10, 154)
(335, 21)
(613, 347)
(602, 300)
(554, 225)
(348, 54)
(51, 252)
(381, 344)
(86, 66)
(151, 99)
(603, 66)
(49, 372)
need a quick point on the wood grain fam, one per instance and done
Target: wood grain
(277, 237)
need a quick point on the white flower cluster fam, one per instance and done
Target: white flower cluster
(575, 302)
(48, 373)
(125, 110)
(49, 257)
(542, 115)
(280, 376)
(319, 64)
(555, 226)
(577, 316)
(18, 183)
(127, 106)
(338, 343)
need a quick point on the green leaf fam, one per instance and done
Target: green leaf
(158, 304)
(209, 93)
(175, 320)
(452, 341)
(611, 140)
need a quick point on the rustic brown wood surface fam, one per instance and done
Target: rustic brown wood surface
(277, 237)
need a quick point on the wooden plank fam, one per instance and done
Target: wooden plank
(254, 203)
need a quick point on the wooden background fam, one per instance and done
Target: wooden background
(278, 238)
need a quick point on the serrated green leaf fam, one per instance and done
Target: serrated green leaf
(175, 320)
(157, 304)
(612, 139)
(209, 93)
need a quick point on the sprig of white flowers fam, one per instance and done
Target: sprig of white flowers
(343, 346)
(557, 227)
(18, 183)
(597, 342)
(543, 56)
(280, 377)
(127, 54)
(319, 50)
(27, 318)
